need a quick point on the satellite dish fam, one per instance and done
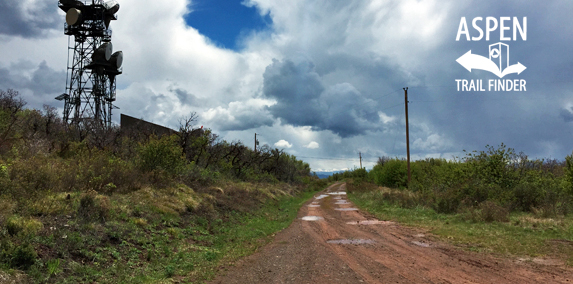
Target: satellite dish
(74, 17)
(103, 53)
(116, 59)
(111, 7)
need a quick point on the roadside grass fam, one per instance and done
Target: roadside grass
(171, 235)
(525, 235)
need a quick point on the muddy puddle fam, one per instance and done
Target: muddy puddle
(370, 222)
(337, 193)
(351, 242)
(346, 209)
(313, 205)
(420, 244)
(312, 218)
(321, 196)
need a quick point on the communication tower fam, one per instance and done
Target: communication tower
(91, 84)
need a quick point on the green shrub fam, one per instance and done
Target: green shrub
(94, 207)
(528, 196)
(393, 173)
(447, 202)
(21, 257)
(569, 174)
(26, 226)
(162, 154)
(491, 211)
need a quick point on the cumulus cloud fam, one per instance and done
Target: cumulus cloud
(238, 115)
(297, 88)
(336, 79)
(283, 144)
(39, 84)
(303, 100)
(312, 145)
(31, 18)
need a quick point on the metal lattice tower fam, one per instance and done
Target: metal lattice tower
(90, 86)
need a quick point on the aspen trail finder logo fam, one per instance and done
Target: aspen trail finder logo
(498, 61)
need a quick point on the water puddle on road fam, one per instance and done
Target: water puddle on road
(313, 205)
(337, 193)
(351, 242)
(321, 196)
(312, 218)
(346, 209)
(342, 202)
(420, 244)
(370, 222)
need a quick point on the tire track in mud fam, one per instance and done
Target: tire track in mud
(330, 250)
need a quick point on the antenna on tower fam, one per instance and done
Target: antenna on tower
(90, 90)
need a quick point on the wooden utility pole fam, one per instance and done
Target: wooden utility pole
(360, 155)
(255, 142)
(407, 134)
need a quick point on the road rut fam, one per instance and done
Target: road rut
(344, 245)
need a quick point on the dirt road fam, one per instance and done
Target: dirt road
(338, 246)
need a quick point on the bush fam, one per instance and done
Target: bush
(491, 211)
(162, 154)
(527, 196)
(24, 256)
(392, 173)
(447, 202)
(94, 207)
(29, 227)
(20, 257)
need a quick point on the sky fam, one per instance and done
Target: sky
(322, 79)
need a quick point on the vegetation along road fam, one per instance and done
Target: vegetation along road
(333, 242)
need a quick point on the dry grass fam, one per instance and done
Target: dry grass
(17, 225)
(173, 200)
(54, 204)
(7, 206)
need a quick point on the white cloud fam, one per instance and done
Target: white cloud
(386, 118)
(361, 51)
(312, 145)
(283, 144)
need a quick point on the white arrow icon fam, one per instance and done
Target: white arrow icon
(473, 61)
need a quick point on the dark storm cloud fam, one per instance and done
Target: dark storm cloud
(28, 18)
(46, 80)
(40, 79)
(185, 97)
(303, 100)
(525, 121)
(38, 84)
(297, 88)
(567, 114)
(242, 121)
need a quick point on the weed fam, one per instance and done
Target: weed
(491, 211)
(140, 222)
(26, 226)
(93, 207)
(53, 267)
(169, 271)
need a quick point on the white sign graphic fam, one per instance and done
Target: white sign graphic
(497, 62)
(498, 59)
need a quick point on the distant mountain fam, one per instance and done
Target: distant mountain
(322, 175)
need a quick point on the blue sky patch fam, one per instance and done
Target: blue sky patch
(224, 21)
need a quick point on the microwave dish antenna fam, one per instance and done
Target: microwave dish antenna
(92, 63)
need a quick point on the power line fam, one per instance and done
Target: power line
(334, 159)
(392, 106)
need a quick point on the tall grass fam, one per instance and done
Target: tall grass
(497, 175)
